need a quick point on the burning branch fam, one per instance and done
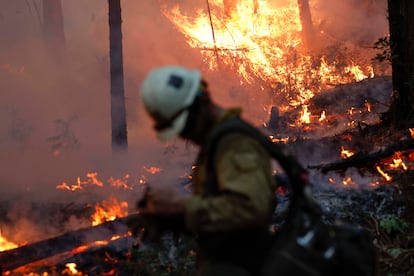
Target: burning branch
(365, 159)
(212, 30)
(14, 258)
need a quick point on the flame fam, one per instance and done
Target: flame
(305, 115)
(368, 106)
(71, 269)
(385, 175)
(346, 153)
(356, 71)
(322, 118)
(5, 244)
(347, 181)
(283, 140)
(398, 162)
(411, 132)
(152, 170)
(91, 180)
(265, 44)
(109, 210)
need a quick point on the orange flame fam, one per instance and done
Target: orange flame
(346, 153)
(91, 180)
(109, 210)
(265, 44)
(5, 244)
(385, 175)
(305, 115)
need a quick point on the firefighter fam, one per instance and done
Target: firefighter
(231, 225)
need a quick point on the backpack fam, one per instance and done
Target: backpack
(305, 245)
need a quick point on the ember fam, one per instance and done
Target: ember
(109, 210)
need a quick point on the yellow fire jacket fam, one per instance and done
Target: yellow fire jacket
(245, 183)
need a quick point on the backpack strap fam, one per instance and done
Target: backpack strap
(297, 175)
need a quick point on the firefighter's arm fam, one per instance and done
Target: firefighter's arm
(245, 184)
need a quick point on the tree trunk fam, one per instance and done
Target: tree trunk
(401, 26)
(118, 111)
(308, 32)
(53, 27)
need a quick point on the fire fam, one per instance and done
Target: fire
(91, 180)
(109, 210)
(265, 45)
(346, 153)
(385, 175)
(305, 115)
(71, 269)
(398, 162)
(152, 170)
(356, 71)
(5, 244)
(322, 118)
(347, 181)
(368, 106)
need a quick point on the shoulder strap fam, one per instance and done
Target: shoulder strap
(297, 175)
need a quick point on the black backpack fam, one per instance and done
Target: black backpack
(305, 245)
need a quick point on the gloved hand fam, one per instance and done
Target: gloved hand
(163, 200)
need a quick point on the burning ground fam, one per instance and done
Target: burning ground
(323, 101)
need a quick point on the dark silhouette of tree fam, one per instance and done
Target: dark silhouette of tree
(308, 32)
(401, 27)
(118, 111)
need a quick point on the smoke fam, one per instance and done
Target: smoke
(55, 113)
(359, 22)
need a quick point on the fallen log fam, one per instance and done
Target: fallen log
(365, 159)
(14, 258)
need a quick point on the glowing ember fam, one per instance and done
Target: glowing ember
(91, 180)
(109, 210)
(71, 269)
(347, 181)
(368, 106)
(386, 176)
(398, 162)
(346, 153)
(152, 170)
(283, 140)
(121, 183)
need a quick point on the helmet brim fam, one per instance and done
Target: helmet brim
(177, 126)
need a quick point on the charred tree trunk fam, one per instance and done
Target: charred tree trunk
(401, 26)
(53, 27)
(308, 31)
(118, 111)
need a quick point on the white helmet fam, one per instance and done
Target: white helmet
(167, 93)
